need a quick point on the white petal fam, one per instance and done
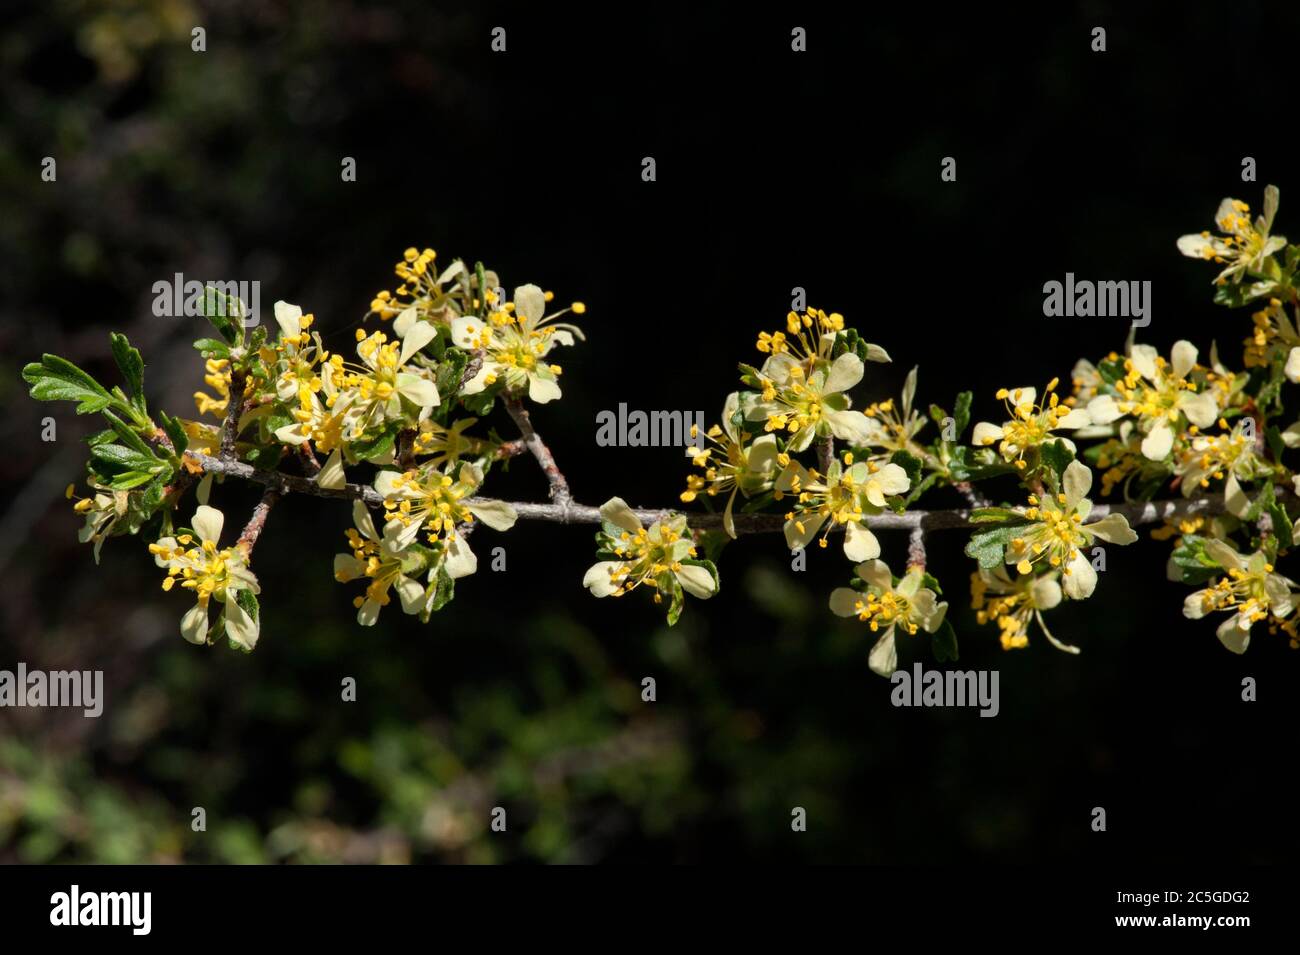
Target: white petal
(331, 475)
(347, 568)
(1144, 360)
(696, 581)
(859, 543)
(985, 434)
(418, 390)
(460, 560)
(884, 655)
(240, 626)
(1201, 408)
(1103, 409)
(194, 625)
(876, 573)
(289, 318)
(1232, 636)
(1077, 481)
(1113, 528)
(208, 522)
(1183, 357)
(368, 613)
(410, 593)
(812, 523)
(542, 389)
(1292, 369)
(597, 578)
(846, 372)
(1081, 581)
(419, 335)
(361, 517)
(1157, 444)
(844, 602)
(1046, 593)
(616, 511)
(530, 302)
(498, 515)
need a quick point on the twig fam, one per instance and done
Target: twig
(825, 452)
(559, 490)
(972, 494)
(234, 408)
(253, 529)
(572, 513)
(916, 548)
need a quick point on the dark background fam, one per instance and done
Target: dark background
(775, 170)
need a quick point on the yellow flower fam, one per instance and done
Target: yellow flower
(1244, 245)
(882, 604)
(211, 572)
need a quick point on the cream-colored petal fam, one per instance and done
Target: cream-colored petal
(883, 658)
(194, 625)
(498, 515)
(1113, 528)
(795, 538)
(1103, 409)
(1232, 636)
(846, 371)
(459, 560)
(616, 511)
(542, 389)
(844, 602)
(1201, 408)
(289, 318)
(1046, 593)
(368, 614)
(1081, 580)
(208, 522)
(347, 568)
(1158, 442)
(417, 336)
(242, 629)
(361, 517)
(696, 581)
(410, 593)
(1182, 358)
(859, 543)
(986, 434)
(332, 475)
(1144, 360)
(418, 390)
(530, 302)
(597, 578)
(876, 573)
(1076, 482)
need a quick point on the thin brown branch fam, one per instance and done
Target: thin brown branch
(825, 452)
(234, 409)
(253, 529)
(559, 487)
(572, 513)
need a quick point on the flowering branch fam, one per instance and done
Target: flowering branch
(569, 512)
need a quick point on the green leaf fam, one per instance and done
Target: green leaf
(132, 367)
(129, 479)
(909, 463)
(212, 348)
(125, 458)
(1194, 565)
(937, 415)
(961, 414)
(57, 379)
(127, 436)
(677, 601)
(376, 445)
(943, 642)
(988, 547)
(444, 592)
(224, 313)
(989, 515)
(1055, 455)
(1281, 525)
(175, 431)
